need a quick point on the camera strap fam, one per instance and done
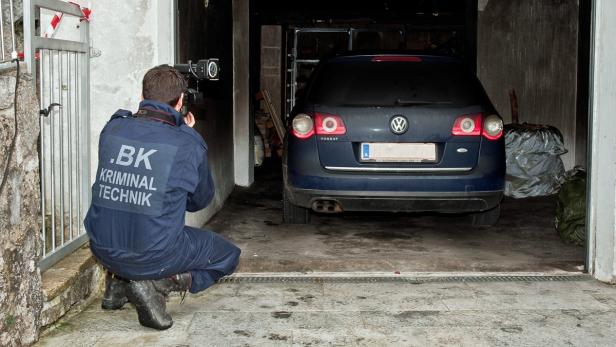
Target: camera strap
(156, 115)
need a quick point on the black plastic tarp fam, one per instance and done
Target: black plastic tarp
(534, 166)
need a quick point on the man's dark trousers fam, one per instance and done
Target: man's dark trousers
(206, 255)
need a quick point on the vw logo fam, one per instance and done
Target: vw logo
(399, 125)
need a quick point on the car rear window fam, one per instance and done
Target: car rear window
(368, 83)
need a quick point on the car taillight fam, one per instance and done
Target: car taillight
(467, 125)
(302, 126)
(493, 127)
(329, 124)
(474, 125)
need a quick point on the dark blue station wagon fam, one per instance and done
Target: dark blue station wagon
(399, 133)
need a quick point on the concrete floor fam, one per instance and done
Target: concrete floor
(523, 240)
(578, 313)
(581, 313)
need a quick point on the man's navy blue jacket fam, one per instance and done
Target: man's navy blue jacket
(150, 172)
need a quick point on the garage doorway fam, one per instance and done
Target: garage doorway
(523, 241)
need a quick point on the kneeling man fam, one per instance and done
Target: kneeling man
(152, 168)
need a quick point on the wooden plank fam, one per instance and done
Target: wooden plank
(278, 124)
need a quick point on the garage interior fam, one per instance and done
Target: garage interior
(537, 49)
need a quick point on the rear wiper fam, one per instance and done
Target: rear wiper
(420, 102)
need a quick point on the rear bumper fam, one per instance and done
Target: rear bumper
(418, 189)
(446, 202)
(303, 169)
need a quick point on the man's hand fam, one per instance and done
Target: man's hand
(189, 119)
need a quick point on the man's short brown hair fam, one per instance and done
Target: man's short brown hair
(163, 83)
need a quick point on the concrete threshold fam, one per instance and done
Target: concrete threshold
(404, 274)
(409, 277)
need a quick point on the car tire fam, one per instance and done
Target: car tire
(486, 218)
(293, 214)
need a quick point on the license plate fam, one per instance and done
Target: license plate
(398, 152)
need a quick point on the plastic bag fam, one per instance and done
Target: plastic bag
(534, 166)
(570, 220)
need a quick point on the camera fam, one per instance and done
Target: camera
(202, 70)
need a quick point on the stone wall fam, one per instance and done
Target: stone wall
(21, 298)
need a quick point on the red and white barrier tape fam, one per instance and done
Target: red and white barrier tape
(57, 18)
(86, 12)
(55, 21)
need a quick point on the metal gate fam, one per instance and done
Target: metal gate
(61, 70)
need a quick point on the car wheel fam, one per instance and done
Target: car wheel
(293, 214)
(486, 218)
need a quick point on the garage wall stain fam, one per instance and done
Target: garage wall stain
(532, 47)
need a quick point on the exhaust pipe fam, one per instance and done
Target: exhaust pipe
(326, 206)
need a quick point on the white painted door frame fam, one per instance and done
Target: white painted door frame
(243, 143)
(601, 249)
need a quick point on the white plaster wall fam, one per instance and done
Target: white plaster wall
(132, 37)
(126, 32)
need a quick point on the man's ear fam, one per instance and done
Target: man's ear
(180, 103)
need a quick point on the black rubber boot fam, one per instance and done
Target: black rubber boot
(115, 292)
(176, 283)
(150, 304)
